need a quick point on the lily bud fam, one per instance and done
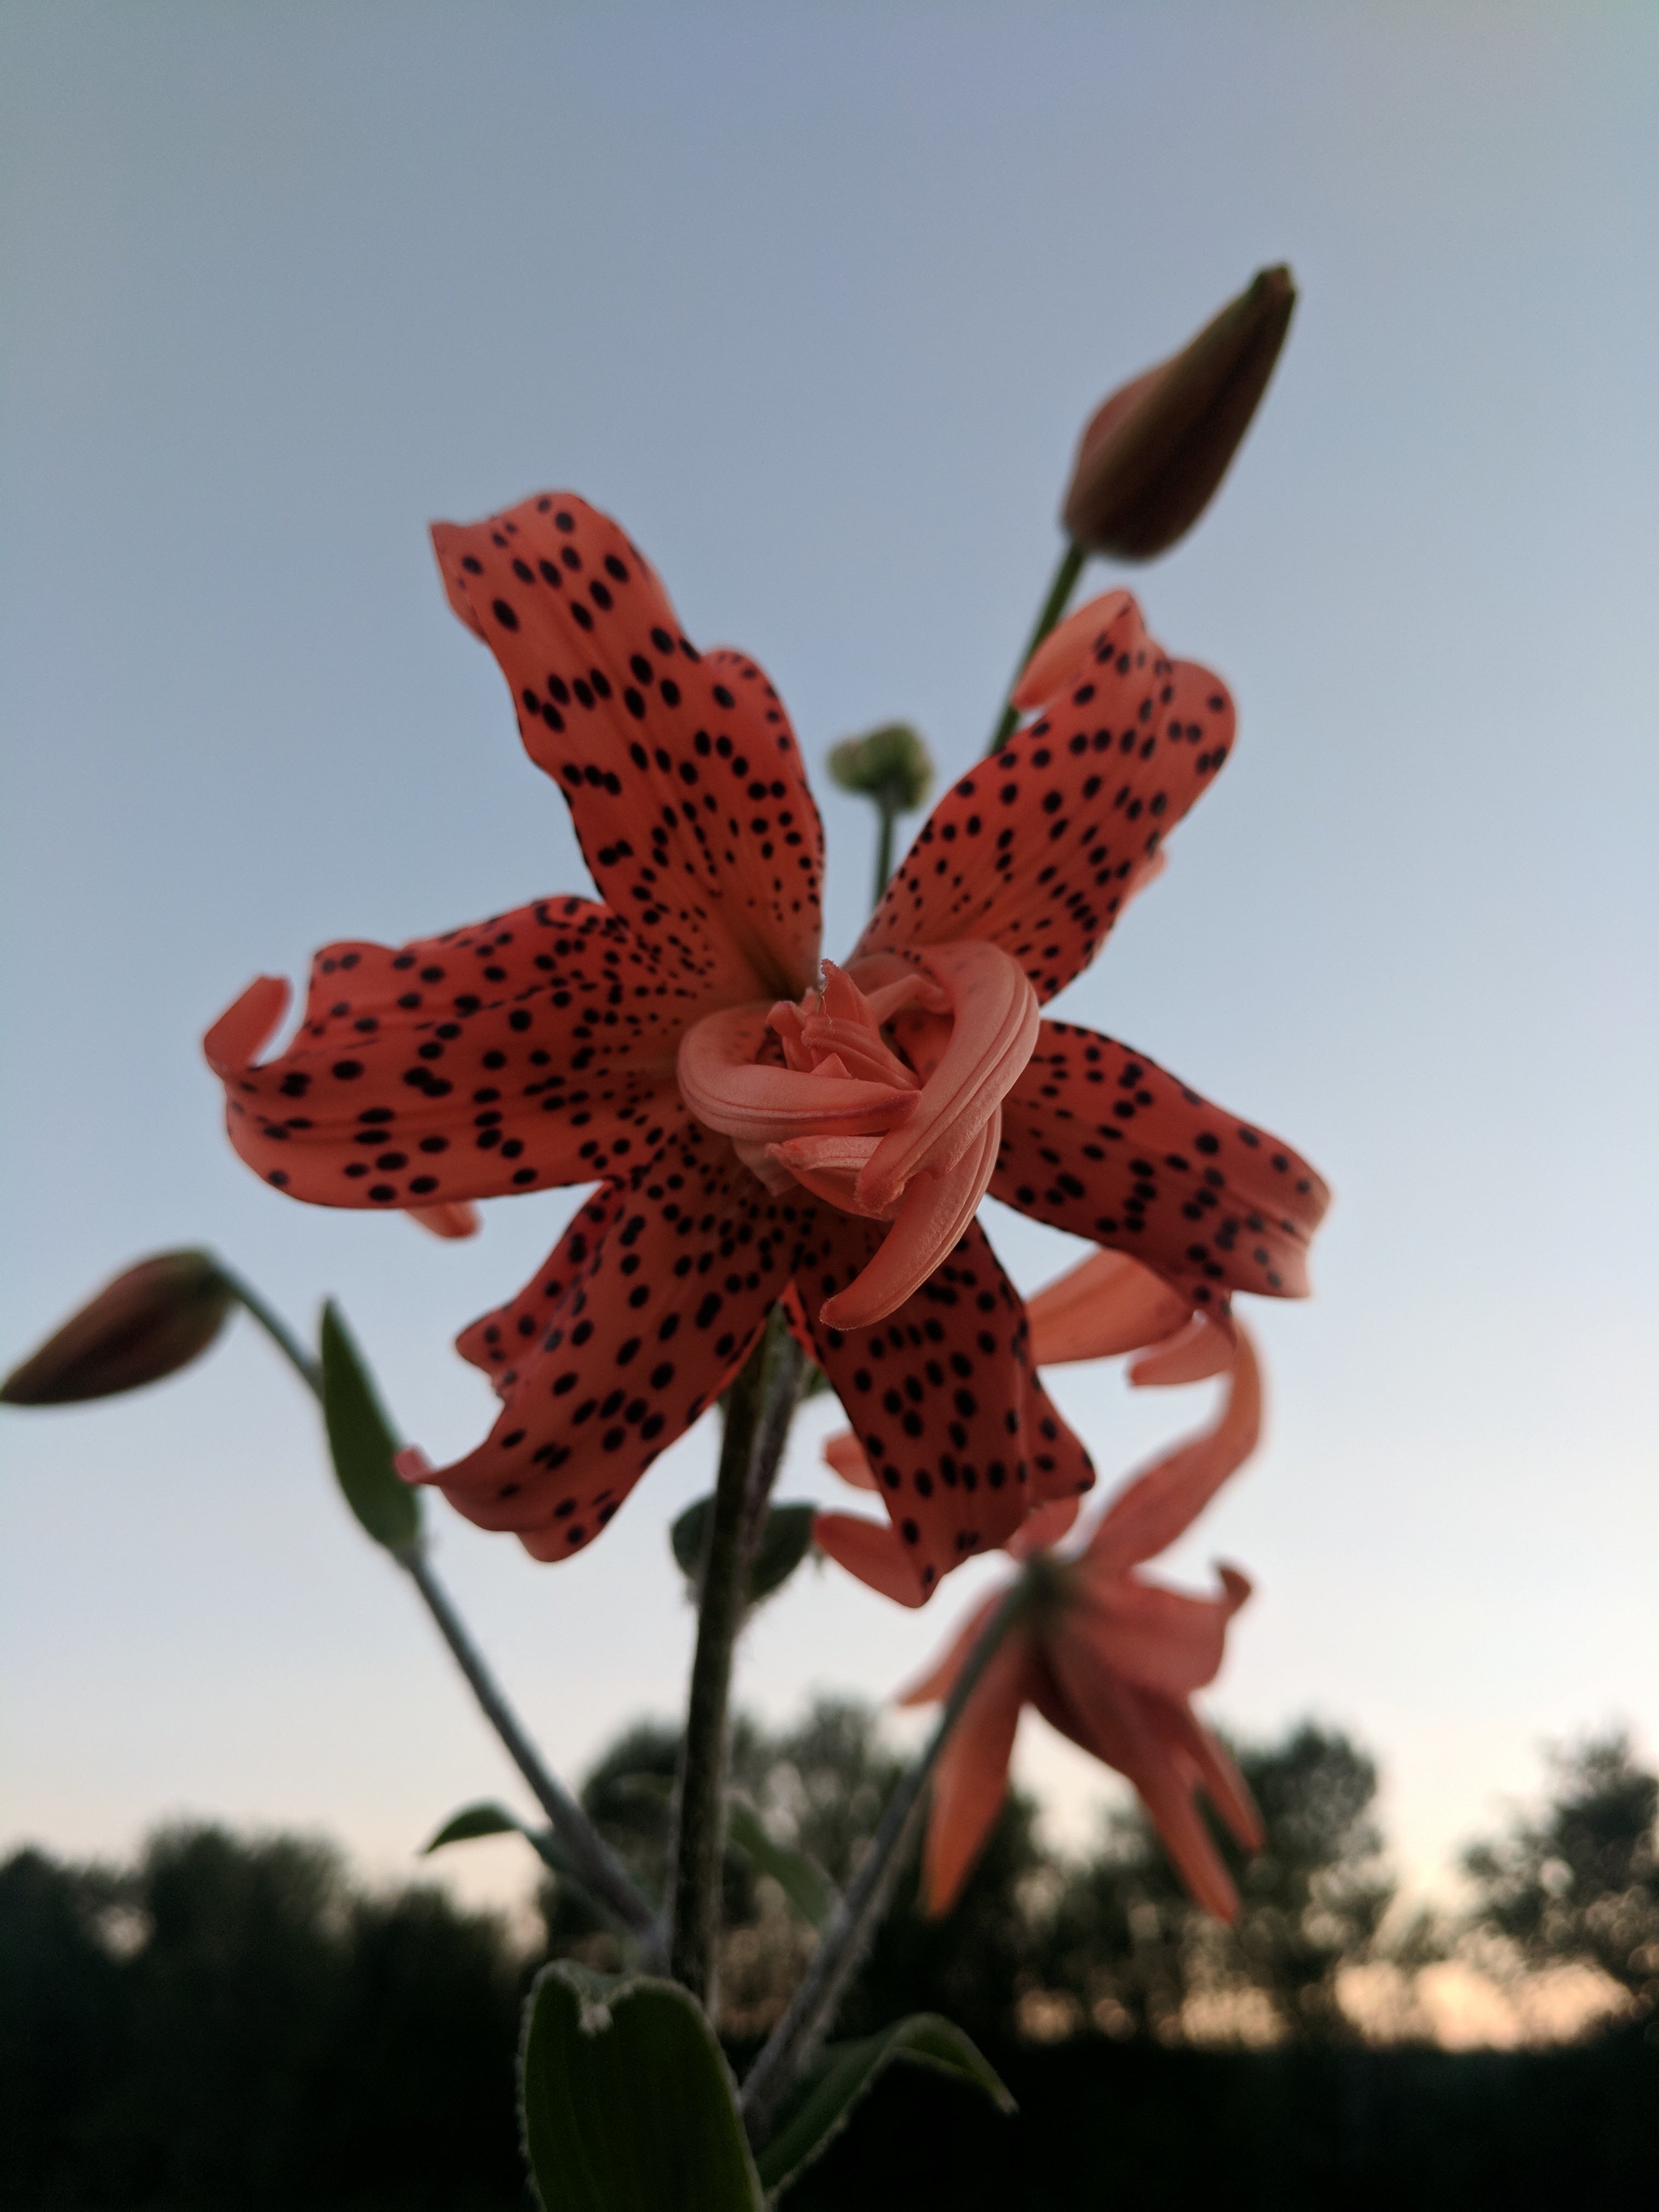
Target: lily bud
(149, 1322)
(891, 765)
(1153, 454)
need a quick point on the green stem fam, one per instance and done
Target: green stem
(759, 1408)
(601, 1869)
(309, 1370)
(1059, 591)
(887, 806)
(795, 2042)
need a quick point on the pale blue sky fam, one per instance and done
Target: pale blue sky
(815, 300)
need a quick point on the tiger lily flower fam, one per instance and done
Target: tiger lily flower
(762, 1125)
(1112, 1662)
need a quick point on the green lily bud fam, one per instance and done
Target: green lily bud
(891, 765)
(149, 1322)
(1152, 456)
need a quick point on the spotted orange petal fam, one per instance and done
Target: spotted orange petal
(1098, 1139)
(518, 1054)
(681, 772)
(941, 1399)
(639, 1336)
(1036, 848)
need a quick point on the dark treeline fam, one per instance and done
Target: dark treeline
(234, 2022)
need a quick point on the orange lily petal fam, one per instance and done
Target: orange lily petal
(971, 1779)
(505, 1342)
(641, 1336)
(1107, 1304)
(937, 1684)
(1043, 1526)
(1116, 1723)
(1035, 849)
(727, 1089)
(489, 1061)
(1100, 1140)
(941, 1399)
(1149, 1512)
(994, 1027)
(1068, 654)
(870, 1553)
(851, 1462)
(1160, 1639)
(933, 1215)
(457, 1219)
(1216, 1774)
(1192, 1354)
(683, 777)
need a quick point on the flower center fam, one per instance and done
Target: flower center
(904, 1131)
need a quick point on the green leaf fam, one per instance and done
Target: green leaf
(363, 1442)
(785, 1541)
(795, 1875)
(821, 2106)
(628, 2102)
(489, 1818)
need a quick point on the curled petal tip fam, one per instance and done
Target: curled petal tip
(1238, 1587)
(412, 1465)
(233, 1041)
(456, 1217)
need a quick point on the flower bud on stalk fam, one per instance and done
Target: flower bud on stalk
(892, 767)
(149, 1322)
(1153, 454)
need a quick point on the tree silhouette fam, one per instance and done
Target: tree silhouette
(1581, 1882)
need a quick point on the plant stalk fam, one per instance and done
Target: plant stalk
(759, 1409)
(795, 2041)
(1059, 591)
(888, 807)
(601, 1869)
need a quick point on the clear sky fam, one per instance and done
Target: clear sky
(815, 300)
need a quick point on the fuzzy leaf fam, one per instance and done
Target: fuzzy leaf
(785, 1541)
(628, 2103)
(362, 1442)
(822, 2105)
(795, 1875)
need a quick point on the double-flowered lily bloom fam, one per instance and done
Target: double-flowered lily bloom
(759, 1123)
(1111, 1661)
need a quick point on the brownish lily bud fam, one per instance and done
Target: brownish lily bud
(1152, 455)
(147, 1323)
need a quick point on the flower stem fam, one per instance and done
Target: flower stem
(759, 1409)
(1060, 590)
(309, 1370)
(795, 2042)
(888, 805)
(601, 1869)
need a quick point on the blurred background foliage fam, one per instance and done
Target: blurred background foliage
(233, 2020)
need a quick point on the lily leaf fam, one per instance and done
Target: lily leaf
(363, 1443)
(487, 1817)
(821, 2106)
(785, 1541)
(628, 2103)
(794, 1874)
